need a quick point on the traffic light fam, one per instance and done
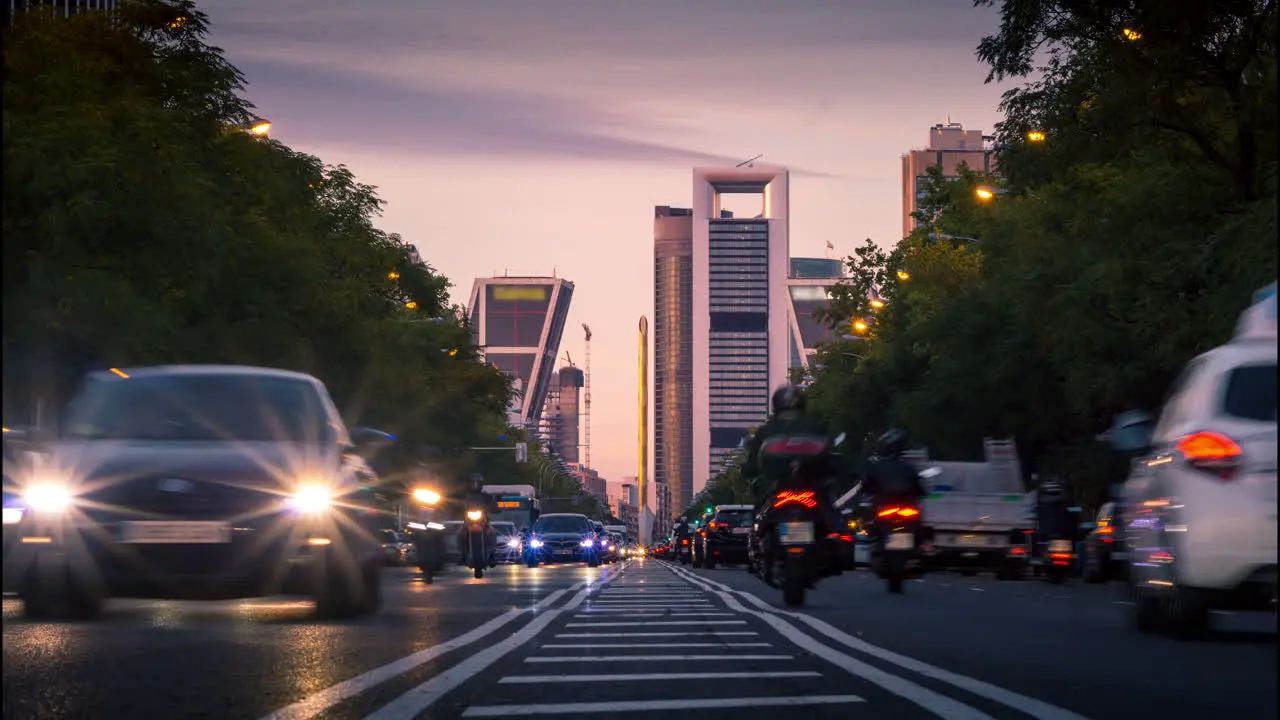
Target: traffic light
(709, 510)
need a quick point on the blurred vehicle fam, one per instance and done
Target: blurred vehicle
(508, 539)
(611, 551)
(395, 547)
(1199, 507)
(516, 504)
(563, 537)
(452, 549)
(201, 481)
(725, 537)
(1104, 550)
(428, 536)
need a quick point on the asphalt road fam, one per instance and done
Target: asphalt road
(636, 639)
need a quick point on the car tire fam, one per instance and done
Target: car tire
(53, 588)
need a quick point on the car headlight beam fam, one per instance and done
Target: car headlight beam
(47, 497)
(311, 499)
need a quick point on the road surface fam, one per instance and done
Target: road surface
(635, 640)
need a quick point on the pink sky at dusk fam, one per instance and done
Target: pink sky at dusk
(536, 137)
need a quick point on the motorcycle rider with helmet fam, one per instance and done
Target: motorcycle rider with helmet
(679, 533)
(890, 480)
(477, 500)
(788, 418)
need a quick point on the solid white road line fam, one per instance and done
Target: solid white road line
(616, 646)
(717, 633)
(658, 622)
(543, 659)
(317, 703)
(413, 703)
(645, 677)
(1022, 703)
(607, 708)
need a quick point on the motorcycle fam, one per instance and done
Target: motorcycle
(479, 555)
(792, 554)
(684, 551)
(428, 535)
(898, 531)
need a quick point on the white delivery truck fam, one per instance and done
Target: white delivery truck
(978, 511)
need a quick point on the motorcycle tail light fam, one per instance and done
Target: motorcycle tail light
(786, 497)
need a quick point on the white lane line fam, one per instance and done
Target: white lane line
(1127, 603)
(317, 703)
(1022, 703)
(544, 659)
(645, 677)
(657, 622)
(610, 708)
(413, 703)
(616, 646)
(717, 633)
(977, 589)
(647, 614)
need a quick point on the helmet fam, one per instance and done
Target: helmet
(787, 397)
(892, 443)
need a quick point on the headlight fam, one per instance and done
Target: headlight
(513, 543)
(426, 496)
(535, 543)
(435, 526)
(612, 548)
(474, 515)
(588, 542)
(311, 499)
(12, 516)
(49, 497)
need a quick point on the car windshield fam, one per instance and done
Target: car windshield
(1251, 393)
(246, 408)
(503, 528)
(734, 518)
(561, 524)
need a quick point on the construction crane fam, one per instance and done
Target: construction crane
(586, 392)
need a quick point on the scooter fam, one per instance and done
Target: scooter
(684, 551)
(478, 553)
(899, 541)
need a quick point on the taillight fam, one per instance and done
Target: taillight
(902, 511)
(1211, 452)
(786, 497)
(712, 525)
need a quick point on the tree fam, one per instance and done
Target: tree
(143, 225)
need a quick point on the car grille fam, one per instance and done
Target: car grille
(562, 545)
(198, 500)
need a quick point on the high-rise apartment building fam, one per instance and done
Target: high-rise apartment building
(519, 321)
(673, 352)
(950, 146)
(65, 8)
(807, 294)
(663, 514)
(740, 309)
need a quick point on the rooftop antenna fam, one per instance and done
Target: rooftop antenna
(750, 162)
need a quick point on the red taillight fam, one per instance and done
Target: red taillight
(1018, 551)
(795, 446)
(902, 511)
(786, 497)
(1211, 452)
(713, 525)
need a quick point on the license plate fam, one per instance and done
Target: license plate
(175, 533)
(972, 540)
(741, 531)
(1059, 546)
(796, 533)
(900, 541)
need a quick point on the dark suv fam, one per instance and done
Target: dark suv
(725, 537)
(200, 482)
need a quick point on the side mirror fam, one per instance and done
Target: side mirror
(839, 439)
(367, 438)
(1130, 432)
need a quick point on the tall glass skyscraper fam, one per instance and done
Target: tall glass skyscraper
(740, 337)
(673, 356)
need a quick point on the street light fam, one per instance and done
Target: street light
(860, 326)
(260, 127)
(986, 192)
(904, 275)
(393, 275)
(874, 298)
(412, 305)
(1130, 34)
(1035, 136)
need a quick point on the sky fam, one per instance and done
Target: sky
(531, 137)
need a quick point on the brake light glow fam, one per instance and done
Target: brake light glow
(787, 497)
(795, 446)
(903, 511)
(1211, 452)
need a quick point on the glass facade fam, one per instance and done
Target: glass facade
(515, 317)
(738, 273)
(817, 268)
(807, 300)
(673, 360)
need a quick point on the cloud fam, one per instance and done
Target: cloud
(320, 105)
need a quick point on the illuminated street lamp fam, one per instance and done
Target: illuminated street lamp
(860, 326)
(875, 300)
(1035, 136)
(904, 275)
(393, 275)
(1130, 34)
(260, 127)
(986, 192)
(412, 305)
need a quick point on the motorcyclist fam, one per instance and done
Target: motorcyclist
(679, 533)
(477, 500)
(890, 479)
(789, 419)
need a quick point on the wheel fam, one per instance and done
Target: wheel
(1094, 572)
(52, 588)
(342, 588)
(1186, 613)
(428, 574)
(479, 572)
(793, 582)
(894, 573)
